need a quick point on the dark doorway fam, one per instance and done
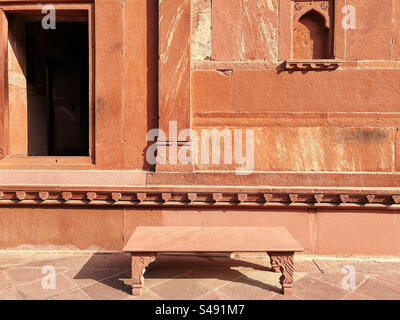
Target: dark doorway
(57, 73)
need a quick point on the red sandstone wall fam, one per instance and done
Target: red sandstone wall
(318, 231)
(220, 67)
(304, 121)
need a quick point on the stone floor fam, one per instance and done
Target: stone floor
(88, 275)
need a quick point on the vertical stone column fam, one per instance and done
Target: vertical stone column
(174, 82)
(3, 81)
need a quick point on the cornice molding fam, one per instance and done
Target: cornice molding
(201, 198)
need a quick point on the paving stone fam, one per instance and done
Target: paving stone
(180, 289)
(391, 277)
(19, 275)
(314, 289)
(380, 290)
(5, 283)
(107, 276)
(73, 295)
(10, 259)
(113, 288)
(87, 275)
(356, 296)
(35, 291)
(247, 289)
(213, 295)
(337, 278)
(9, 294)
(58, 261)
(146, 295)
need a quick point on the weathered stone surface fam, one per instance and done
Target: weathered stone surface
(211, 91)
(325, 149)
(174, 63)
(201, 30)
(396, 44)
(260, 29)
(343, 91)
(226, 29)
(372, 38)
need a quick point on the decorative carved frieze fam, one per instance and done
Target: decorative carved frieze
(157, 198)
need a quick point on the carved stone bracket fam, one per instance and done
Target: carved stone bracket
(285, 262)
(140, 261)
(116, 196)
(320, 64)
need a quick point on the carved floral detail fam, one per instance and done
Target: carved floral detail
(318, 197)
(43, 195)
(285, 262)
(293, 197)
(20, 195)
(268, 197)
(141, 196)
(140, 261)
(192, 196)
(242, 197)
(66, 196)
(91, 196)
(217, 196)
(344, 198)
(166, 196)
(116, 196)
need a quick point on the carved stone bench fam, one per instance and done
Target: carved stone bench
(146, 242)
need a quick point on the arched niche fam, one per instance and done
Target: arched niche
(312, 35)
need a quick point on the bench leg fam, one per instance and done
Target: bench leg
(274, 265)
(284, 260)
(140, 261)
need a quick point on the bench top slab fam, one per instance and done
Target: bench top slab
(211, 239)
